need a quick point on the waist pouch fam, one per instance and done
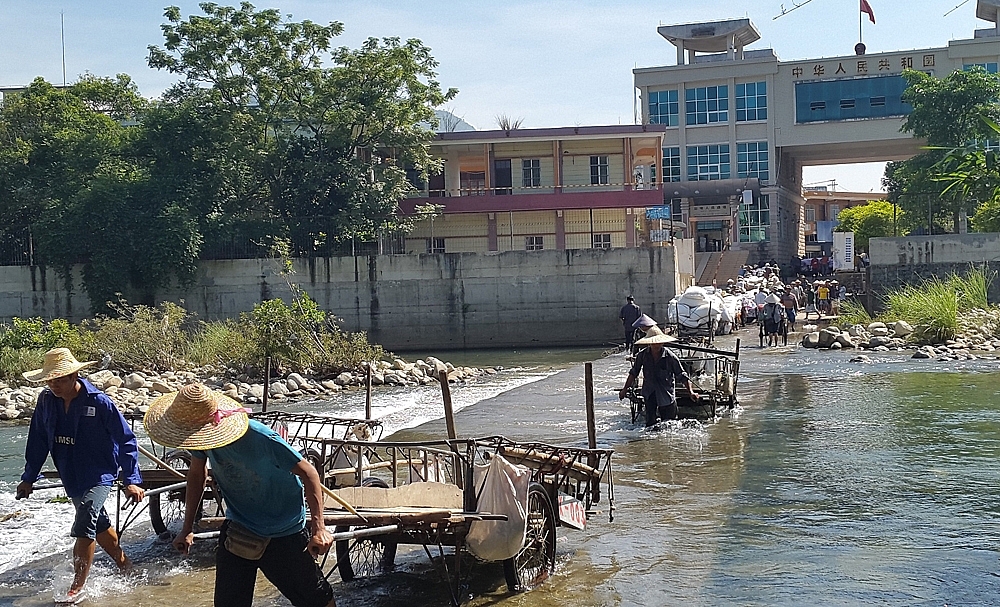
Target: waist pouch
(244, 543)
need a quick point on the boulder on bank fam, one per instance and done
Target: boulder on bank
(810, 340)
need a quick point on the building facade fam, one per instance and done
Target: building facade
(820, 209)
(741, 124)
(539, 189)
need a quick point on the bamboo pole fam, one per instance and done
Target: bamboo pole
(267, 382)
(591, 417)
(368, 392)
(160, 462)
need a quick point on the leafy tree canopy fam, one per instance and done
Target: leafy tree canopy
(875, 219)
(325, 129)
(273, 134)
(947, 112)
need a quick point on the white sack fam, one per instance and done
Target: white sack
(503, 489)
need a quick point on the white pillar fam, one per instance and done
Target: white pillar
(680, 52)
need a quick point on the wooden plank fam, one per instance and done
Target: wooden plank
(412, 495)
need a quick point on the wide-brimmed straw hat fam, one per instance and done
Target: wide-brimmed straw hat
(655, 336)
(772, 299)
(59, 362)
(195, 418)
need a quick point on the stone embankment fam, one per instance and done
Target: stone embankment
(975, 342)
(132, 392)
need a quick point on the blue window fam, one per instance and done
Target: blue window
(755, 219)
(875, 97)
(751, 101)
(991, 68)
(671, 164)
(706, 105)
(664, 107)
(752, 160)
(708, 162)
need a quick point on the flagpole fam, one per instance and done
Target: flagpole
(861, 37)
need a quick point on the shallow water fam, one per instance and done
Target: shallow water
(835, 484)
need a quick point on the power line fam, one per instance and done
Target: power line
(795, 7)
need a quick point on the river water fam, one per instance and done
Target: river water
(836, 484)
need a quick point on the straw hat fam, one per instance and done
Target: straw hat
(59, 362)
(195, 418)
(772, 299)
(655, 336)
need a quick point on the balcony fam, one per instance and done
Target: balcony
(503, 200)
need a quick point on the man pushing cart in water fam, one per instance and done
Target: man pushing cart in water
(660, 368)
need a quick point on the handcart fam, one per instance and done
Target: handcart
(714, 373)
(425, 493)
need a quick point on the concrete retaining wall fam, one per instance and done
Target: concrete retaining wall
(910, 260)
(407, 302)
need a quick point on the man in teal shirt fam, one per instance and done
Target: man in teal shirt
(266, 486)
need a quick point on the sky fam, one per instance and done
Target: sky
(549, 63)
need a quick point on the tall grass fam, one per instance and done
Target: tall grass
(853, 313)
(933, 307)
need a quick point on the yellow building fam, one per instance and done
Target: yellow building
(534, 189)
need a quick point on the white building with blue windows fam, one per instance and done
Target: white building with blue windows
(742, 120)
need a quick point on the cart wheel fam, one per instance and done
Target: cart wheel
(366, 557)
(166, 509)
(537, 558)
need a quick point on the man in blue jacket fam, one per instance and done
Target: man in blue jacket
(91, 445)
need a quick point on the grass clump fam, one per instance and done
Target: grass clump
(853, 313)
(934, 307)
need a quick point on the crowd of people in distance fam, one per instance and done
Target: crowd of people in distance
(775, 306)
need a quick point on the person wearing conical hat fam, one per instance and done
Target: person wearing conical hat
(660, 369)
(262, 480)
(92, 447)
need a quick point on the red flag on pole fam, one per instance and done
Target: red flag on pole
(867, 8)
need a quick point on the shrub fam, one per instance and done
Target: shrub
(15, 361)
(226, 344)
(139, 337)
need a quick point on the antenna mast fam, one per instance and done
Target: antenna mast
(62, 37)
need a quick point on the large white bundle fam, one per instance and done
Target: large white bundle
(693, 297)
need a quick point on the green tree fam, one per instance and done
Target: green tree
(875, 219)
(326, 130)
(947, 113)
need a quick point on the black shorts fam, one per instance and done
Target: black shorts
(285, 563)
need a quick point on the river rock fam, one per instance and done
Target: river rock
(845, 340)
(827, 337)
(836, 346)
(378, 379)
(436, 364)
(880, 332)
(921, 354)
(344, 379)
(100, 378)
(161, 387)
(278, 388)
(876, 325)
(256, 391)
(861, 358)
(296, 381)
(879, 341)
(902, 328)
(134, 381)
(810, 340)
